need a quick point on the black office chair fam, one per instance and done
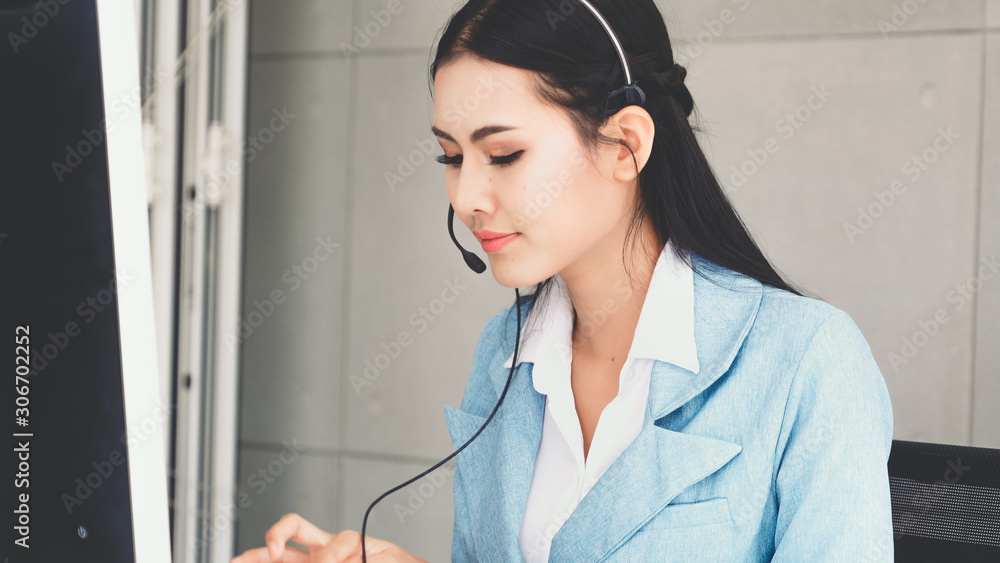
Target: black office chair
(945, 502)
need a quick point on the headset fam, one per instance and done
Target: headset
(634, 95)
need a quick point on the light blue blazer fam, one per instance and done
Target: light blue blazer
(775, 451)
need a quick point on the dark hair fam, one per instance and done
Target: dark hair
(576, 66)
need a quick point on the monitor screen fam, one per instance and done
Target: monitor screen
(84, 465)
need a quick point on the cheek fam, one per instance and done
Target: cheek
(556, 217)
(549, 194)
(584, 212)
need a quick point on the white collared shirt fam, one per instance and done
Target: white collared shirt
(665, 331)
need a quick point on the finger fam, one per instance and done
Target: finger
(296, 528)
(261, 555)
(347, 545)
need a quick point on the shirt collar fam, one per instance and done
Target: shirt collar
(665, 330)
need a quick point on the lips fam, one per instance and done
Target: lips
(495, 243)
(487, 235)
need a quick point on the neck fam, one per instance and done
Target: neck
(606, 304)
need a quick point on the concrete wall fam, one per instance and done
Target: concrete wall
(888, 95)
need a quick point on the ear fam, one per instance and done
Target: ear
(635, 126)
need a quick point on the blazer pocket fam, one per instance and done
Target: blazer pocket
(691, 531)
(711, 511)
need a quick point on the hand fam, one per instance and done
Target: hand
(344, 547)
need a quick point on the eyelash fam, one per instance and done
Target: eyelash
(496, 160)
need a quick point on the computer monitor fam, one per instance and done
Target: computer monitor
(84, 468)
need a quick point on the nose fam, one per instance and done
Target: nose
(473, 191)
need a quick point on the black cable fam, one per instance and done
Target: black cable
(510, 376)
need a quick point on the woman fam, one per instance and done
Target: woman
(672, 398)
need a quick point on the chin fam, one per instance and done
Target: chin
(513, 277)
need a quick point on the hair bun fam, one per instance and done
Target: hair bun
(679, 72)
(672, 82)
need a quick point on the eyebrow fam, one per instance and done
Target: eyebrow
(477, 135)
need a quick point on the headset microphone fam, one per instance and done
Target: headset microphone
(633, 96)
(471, 259)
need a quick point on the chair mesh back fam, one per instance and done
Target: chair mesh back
(945, 502)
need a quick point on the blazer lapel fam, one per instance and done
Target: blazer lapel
(498, 473)
(660, 463)
(725, 307)
(654, 469)
(657, 466)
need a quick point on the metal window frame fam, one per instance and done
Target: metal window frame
(194, 125)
